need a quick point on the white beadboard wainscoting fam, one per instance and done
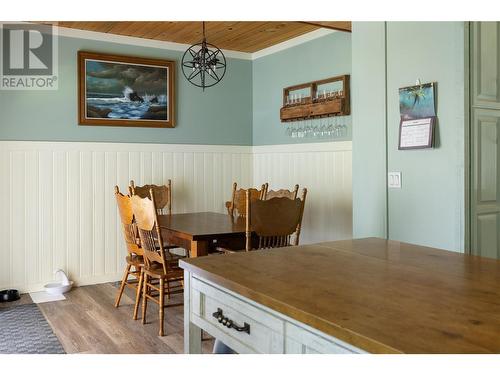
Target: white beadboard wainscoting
(325, 170)
(59, 211)
(58, 208)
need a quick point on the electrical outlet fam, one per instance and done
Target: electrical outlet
(394, 180)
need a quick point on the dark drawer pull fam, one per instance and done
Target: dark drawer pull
(226, 322)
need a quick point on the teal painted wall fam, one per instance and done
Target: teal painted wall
(369, 130)
(220, 115)
(320, 58)
(429, 209)
(246, 102)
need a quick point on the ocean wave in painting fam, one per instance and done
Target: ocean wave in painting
(130, 106)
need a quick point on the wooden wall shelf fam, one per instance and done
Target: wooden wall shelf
(315, 106)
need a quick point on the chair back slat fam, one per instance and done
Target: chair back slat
(274, 221)
(268, 242)
(283, 193)
(129, 226)
(146, 217)
(150, 245)
(162, 194)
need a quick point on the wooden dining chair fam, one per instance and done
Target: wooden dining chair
(272, 223)
(160, 267)
(134, 258)
(163, 199)
(163, 195)
(290, 194)
(238, 198)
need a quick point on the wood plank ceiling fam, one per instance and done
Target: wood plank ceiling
(232, 35)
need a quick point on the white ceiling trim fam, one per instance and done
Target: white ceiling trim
(143, 42)
(318, 33)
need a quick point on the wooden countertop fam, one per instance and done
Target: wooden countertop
(381, 296)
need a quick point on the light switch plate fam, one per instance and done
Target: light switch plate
(394, 180)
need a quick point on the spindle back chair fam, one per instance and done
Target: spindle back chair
(159, 264)
(162, 194)
(237, 205)
(290, 194)
(134, 259)
(274, 221)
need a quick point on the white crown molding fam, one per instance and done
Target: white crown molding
(292, 42)
(143, 42)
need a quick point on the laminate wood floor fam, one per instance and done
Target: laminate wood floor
(88, 322)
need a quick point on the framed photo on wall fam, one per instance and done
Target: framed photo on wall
(125, 91)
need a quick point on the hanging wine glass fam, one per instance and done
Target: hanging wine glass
(329, 129)
(323, 128)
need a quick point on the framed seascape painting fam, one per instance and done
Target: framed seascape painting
(125, 91)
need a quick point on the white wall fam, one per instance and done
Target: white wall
(325, 170)
(58, 208)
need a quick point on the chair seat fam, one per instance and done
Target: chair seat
(156, 270)
(135, 260)
(167, 245)
(178, 252)
(223, 250)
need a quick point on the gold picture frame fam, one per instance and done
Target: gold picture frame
(115, 90)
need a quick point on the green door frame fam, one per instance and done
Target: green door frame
(467, 139)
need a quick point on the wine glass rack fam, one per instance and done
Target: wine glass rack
(316, 104)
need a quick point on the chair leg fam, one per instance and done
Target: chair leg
(161, 304)
(122, 286)
(144, 297)
(138, 293)
(168, 290)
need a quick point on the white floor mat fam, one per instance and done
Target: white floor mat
(41, 297)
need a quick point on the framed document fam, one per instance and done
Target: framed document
(416, 133)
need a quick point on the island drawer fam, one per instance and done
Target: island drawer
(253, 330)
(306, 340)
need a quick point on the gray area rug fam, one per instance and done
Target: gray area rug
(24, 330)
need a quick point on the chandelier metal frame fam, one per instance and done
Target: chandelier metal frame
(203, 64)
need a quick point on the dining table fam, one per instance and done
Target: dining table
(197, 231)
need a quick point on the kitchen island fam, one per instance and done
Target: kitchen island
(354, 296)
